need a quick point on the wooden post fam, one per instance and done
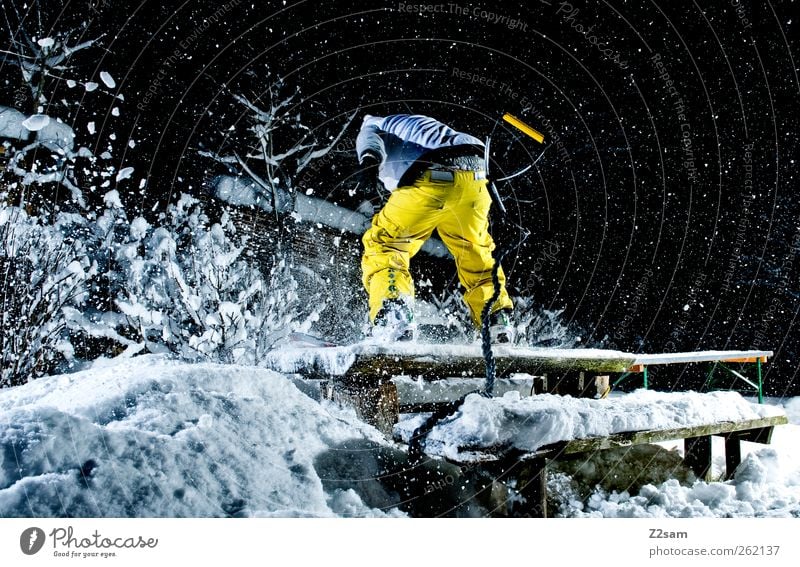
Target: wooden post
(698, 455)
(733, 455)
(377, 405)
(532, 486)
(598, 387)
(539, 385)
(733, 449)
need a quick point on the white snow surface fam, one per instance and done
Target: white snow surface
(528, 423)
(152, 437)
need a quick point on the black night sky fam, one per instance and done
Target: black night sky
(663, 213)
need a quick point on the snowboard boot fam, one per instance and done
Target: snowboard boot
(500, 328)
(394, 322)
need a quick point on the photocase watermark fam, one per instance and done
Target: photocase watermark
(569, 15)
(553, 137)
(743, 229)
(738, 245)
(741, 13)
(679, 107)
(66, 543)
(451, 479)
(547, 255)
(31, 541)
(164, 71)
(470, 11)
(526, 105)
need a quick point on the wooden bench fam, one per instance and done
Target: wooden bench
(361, 375)
(527, 469)
(716, 360)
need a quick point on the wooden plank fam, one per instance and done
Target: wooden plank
(528, 470)
(754, 435)
(697, 455)
(376, 406)
(751, 359)
(365, 364)
(377, 368)
(531, 485)
(702, 356)
(576, 446)
(733, 455)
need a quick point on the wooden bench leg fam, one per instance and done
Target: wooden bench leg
(377, 405)
(532, 486)
(733, 455)
(733, 448)
(698, 455)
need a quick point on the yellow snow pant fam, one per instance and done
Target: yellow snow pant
(459, 211)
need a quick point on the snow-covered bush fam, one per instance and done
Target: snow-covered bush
(186, 290)
(183, 286)
(43, 269)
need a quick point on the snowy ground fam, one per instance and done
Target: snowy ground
(152, 437)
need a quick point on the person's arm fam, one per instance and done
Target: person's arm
(371, 153)
(369, 145)
(425, 131)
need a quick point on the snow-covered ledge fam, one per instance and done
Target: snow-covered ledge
(243, 192)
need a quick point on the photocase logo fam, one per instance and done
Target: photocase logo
(31, 541)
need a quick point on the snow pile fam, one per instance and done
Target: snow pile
(149, 436)
(153, 437)
(767, 484)
(532, 422)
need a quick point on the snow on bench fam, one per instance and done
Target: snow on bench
(513, 436)
(361, 375)
(435, 361)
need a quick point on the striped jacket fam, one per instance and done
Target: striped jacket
(404, 140)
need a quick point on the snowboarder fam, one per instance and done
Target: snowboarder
(437, 180)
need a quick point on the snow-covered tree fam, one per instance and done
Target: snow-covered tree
(37, 128)
(277, 148)
(43, 270)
